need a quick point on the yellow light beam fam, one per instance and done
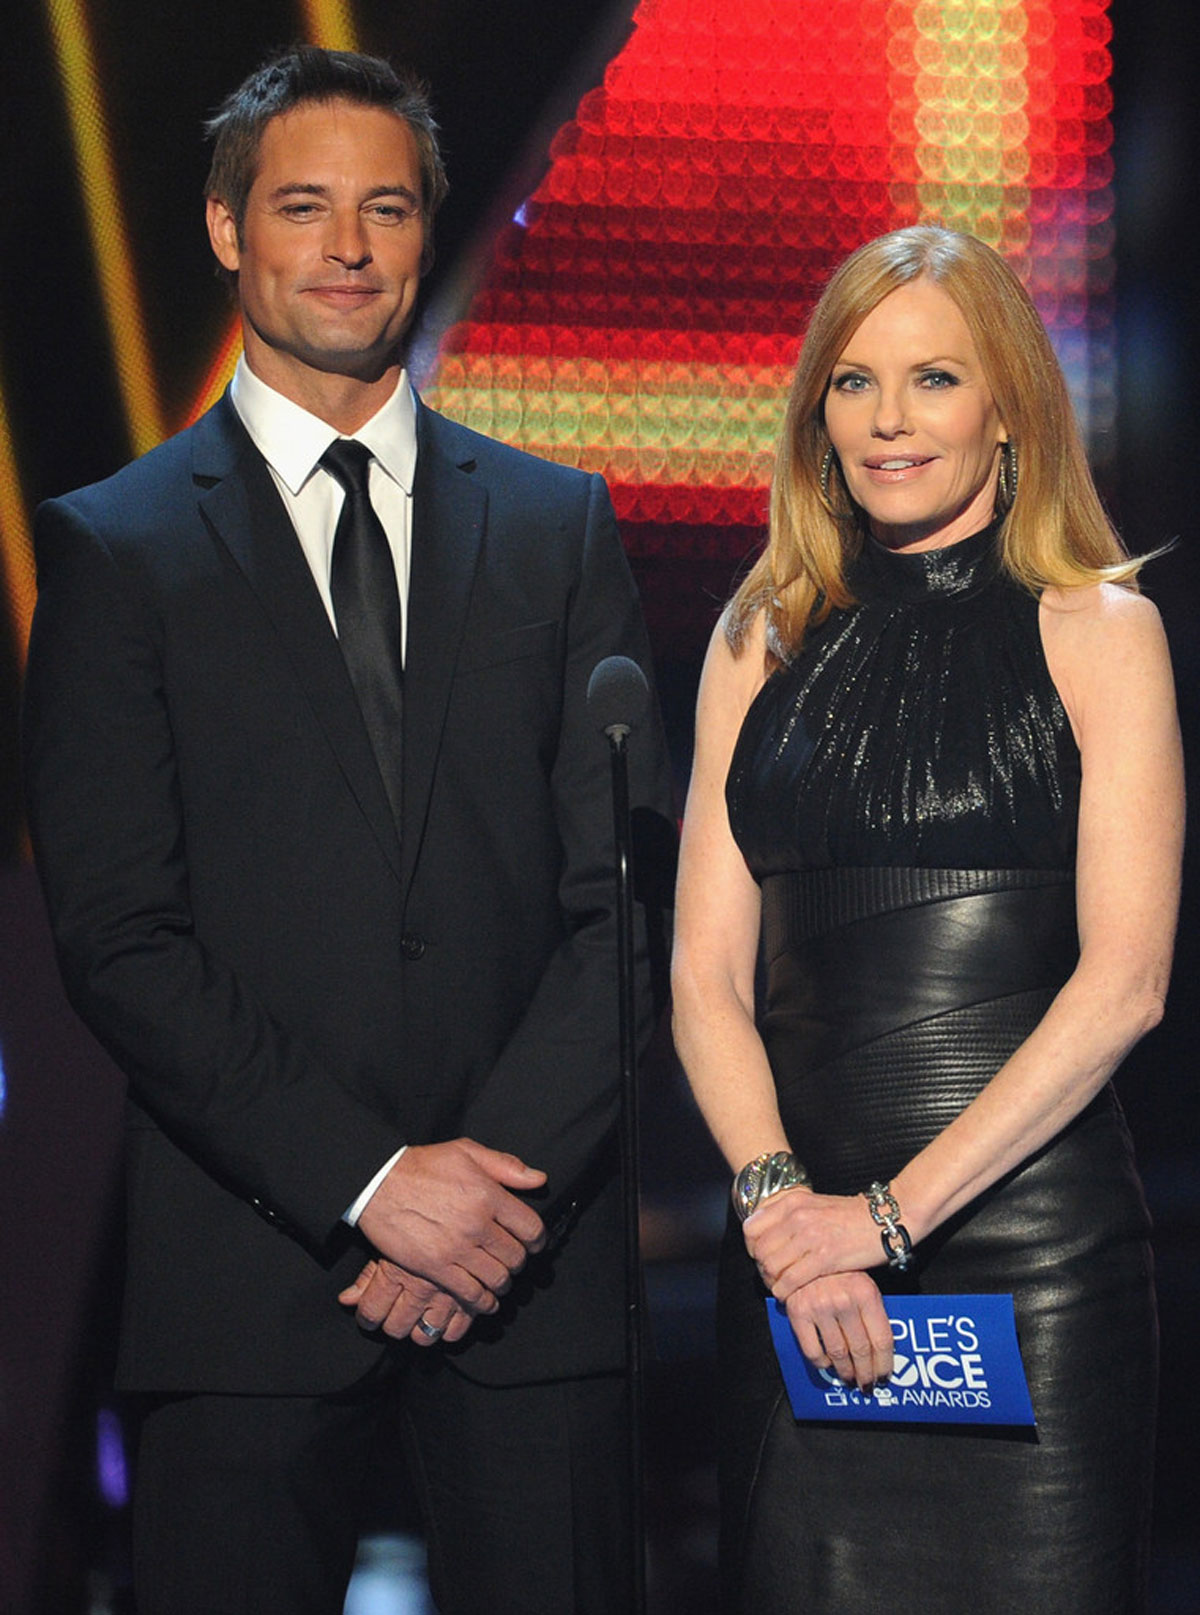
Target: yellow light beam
(16, 546)
(330, 23)
(219, 373)
(106, 224)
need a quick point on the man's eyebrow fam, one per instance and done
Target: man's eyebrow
(305, 188)
(392, 190)
(300, 188)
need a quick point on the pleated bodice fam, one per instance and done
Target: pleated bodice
(918, 727)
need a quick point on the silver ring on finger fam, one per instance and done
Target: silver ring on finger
(430, 1330)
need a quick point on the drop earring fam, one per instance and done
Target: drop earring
(1006, 485)
(826, 472)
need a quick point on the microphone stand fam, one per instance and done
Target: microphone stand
(617, 733)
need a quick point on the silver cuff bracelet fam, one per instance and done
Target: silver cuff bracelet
(764, 1176)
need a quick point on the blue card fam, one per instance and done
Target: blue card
(957, 1362)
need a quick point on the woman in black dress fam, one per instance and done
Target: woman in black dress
(938, 784)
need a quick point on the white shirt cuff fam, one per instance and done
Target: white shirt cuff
(357, 1208)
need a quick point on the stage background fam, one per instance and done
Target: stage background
(644, 202)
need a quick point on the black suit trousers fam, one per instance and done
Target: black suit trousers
(250, 1505)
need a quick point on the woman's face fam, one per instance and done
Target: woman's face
(913, 422)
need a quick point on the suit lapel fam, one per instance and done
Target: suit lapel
(239, 501)
(449, 511)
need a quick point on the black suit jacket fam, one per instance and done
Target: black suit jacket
(293, 984)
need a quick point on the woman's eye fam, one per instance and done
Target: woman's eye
(938, 379)
(851, 382)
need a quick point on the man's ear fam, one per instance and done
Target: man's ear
(223, 234)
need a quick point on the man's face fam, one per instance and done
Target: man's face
(329, 254)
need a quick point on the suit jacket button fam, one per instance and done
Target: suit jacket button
(267, 1214)
(412, 946)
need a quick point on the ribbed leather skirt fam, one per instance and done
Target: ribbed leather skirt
(892, 996)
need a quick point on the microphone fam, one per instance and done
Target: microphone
(617, 696)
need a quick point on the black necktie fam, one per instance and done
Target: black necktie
(366, 605)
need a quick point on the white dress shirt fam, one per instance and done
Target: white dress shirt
(292, 442)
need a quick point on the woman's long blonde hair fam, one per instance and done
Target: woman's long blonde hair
(1054, 531)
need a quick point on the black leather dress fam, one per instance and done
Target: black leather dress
(906, 793)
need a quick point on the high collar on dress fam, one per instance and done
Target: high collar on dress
(962, 568)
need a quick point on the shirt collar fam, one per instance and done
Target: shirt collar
(291, 440)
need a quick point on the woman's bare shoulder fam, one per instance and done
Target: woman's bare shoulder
(734, 672)
(739, 664)
(1101, 620)
(1103, 607)
(1102, 644)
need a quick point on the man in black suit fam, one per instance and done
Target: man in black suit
(358, 965)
